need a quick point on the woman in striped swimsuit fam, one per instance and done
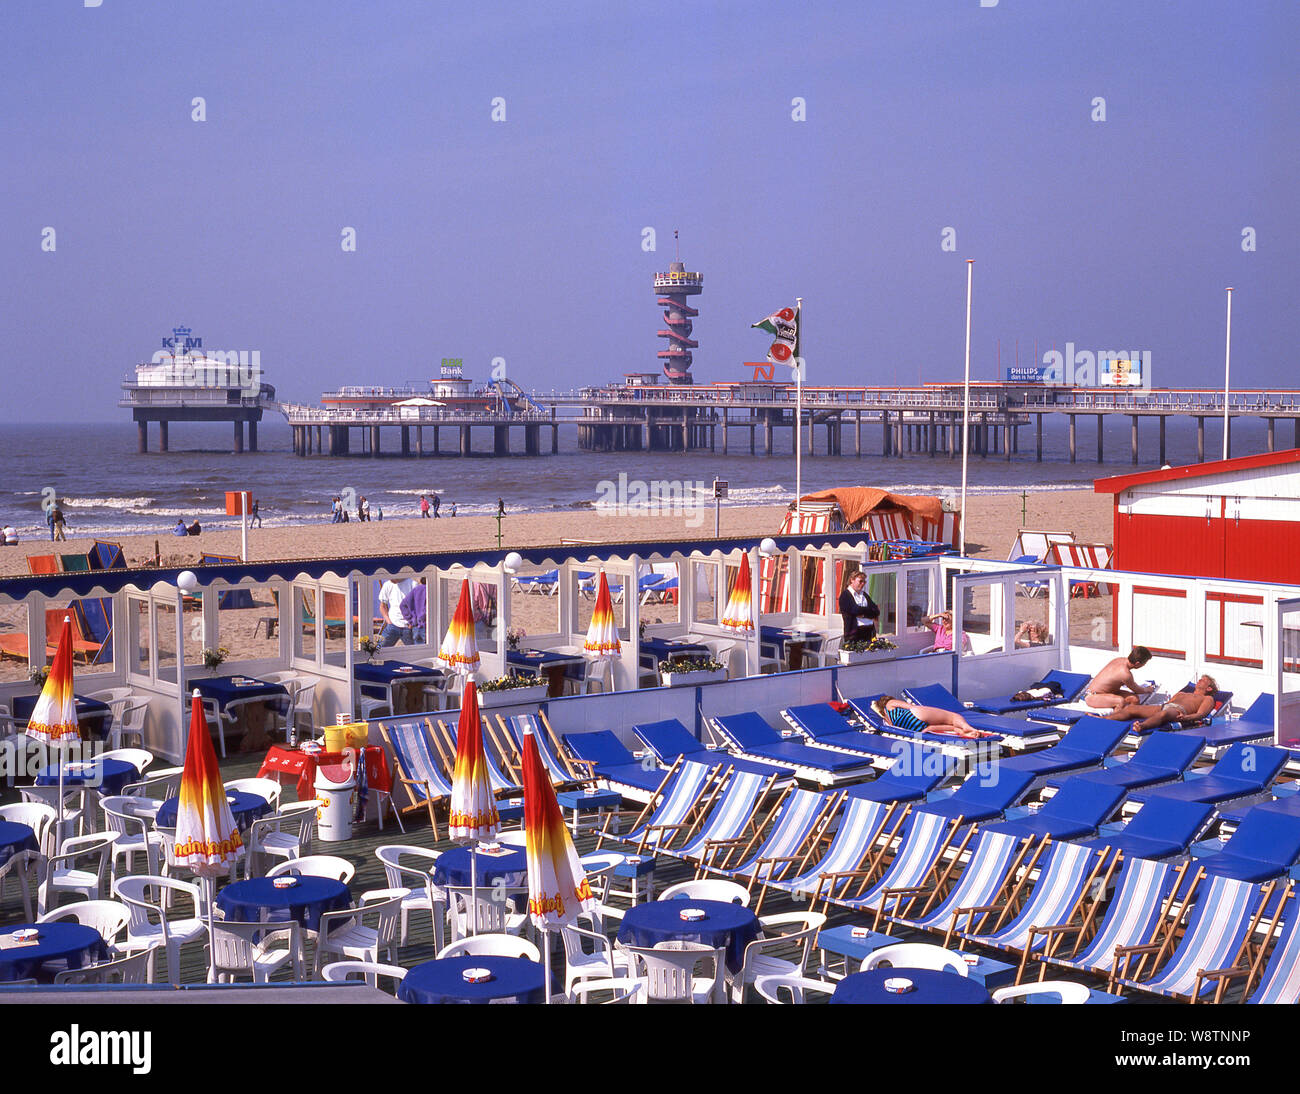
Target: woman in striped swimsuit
(918, 719)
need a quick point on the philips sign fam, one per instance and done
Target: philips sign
(1026, 374)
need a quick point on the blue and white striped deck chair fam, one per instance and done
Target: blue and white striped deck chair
(558, 768)
(680, 796)
(419, 771)
(1281, 980)
(1134, 916)
(731, 817)
(993, 860)
(795, 818)
(1220, 924)
(925, 839)
(1062, 885)
(501, 782)
(861, 825)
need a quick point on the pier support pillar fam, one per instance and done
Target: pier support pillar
(252, 436)
(1100, 420)
(857, 434)
(500, 440)
(884, 442)
(465, 448)
(532, 440)
(142, 437)
(724, 432)
(1200, 439)
(1272, 422)
(767, 435)
(1006, 441)
(374, 440)
(1038, 437)
(419, 440)
(239, 437)
(555, 439)
(1072, 437)
(435, 440)
(1163, 461)
(406, 440)
(933, 430)
(1133, 444)
(162, 436)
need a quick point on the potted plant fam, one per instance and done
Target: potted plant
(212, 658)
(683, 670)
(370, 646)
(39, 675)
(860, 650)
(513, 637)
(511, 689)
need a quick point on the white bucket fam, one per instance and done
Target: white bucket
(336, 802)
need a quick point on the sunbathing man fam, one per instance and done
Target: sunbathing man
(1188, 707)
(1114, 687)
(919, 719)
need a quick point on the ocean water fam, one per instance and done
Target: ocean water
(106, 487)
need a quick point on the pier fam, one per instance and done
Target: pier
(749, 417)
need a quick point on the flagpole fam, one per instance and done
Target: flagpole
(798, 411)
(1227, 362)
(965, 411)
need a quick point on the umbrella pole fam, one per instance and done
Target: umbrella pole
(473, 888)
(209, 885)
(546, 962)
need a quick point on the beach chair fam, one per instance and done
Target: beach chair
(1160, 829)
(1242, 772)
(1226, 913)
(1161, 758)
(503, 785)
(824, 727)
(1014, 732)
(559, 768)
(1077, 811)
(865, 831)
(1256, 724)
(1085, 745)
(1265, 845)
(609, 762)
(975, 744)
(981, 799)
(904, 782)
(751, 737)
(1278, 982)
(1056, 899)
(676, 807)
(668, 739)
(544, 584)
(732, 816)
(1138, 913)
(1071, 683)
(796, 819)
(419, 770)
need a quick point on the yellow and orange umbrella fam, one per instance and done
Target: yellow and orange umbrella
(474, 813)
(602, 642)
(557, 884)
(739, 613)
(54, 717)
(459, 647)
(207, 838)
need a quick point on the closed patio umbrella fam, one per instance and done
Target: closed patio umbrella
(54, 717)
(474, 815)
(459, 647)
(739, 613)
(602, 643)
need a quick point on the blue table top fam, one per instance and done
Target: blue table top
(306, 902)
(389, 672)
(542, 658)
(224, 689)
(108, 776)
(15, 837)
(727, 925)
(453, 867)
(442, 981)
(929, 986)
(79, 945)
(664, 648)
(580, 799)
(246, 808)
(23, 705)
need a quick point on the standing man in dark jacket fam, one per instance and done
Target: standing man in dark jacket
(858, 610)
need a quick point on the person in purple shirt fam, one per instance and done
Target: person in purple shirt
(415, 609)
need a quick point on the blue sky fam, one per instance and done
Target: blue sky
(522, 239)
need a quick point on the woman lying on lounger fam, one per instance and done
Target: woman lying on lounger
(1188, 708)
(921, 719)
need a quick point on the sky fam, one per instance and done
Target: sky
(1111, 166)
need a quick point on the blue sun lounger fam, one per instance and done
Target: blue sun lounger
(904, 782)
(1077, 811)
(1085, 745)
(1257, 723)
(750, 735)
(1244, 771)
(1265, 845)
(1160, 829)
(1072, 685)
(824, 727)
(613, 763)
(979, 799)
(985, 746)
(669, 739)
(1015, 732)
(1161, 758)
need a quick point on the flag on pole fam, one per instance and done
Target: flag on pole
(784, 326)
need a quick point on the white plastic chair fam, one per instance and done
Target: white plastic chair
(161, 784)
(108, 917)
(770, 987)
(708, 889)
(74, 815)
(24, 868)
(491, 945)
(263, 788)
(168, 933)
(344, 971)
(131, 819)
(589, 955)
(668, 971)
(478, 913)
(412, 867)
(302, 703)
(916, 955)
(133, 968)
(599, 867)
(1069, 993)
(38, 816)
(79, 867)
(284, 834)
(248, 948)
(129, 722)
(139, 758)
(347, 934)
(779, 933)
(625, 989)
(331, 866)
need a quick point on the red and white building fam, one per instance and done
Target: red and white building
(1237, 518)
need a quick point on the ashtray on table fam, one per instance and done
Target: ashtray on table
(692, 915)
(476, 976)
(897, 985)
(27, 934)
(284, 882)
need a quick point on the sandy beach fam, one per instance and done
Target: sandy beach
(991, 524)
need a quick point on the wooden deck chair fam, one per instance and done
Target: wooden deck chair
(731, 814)
(1279, 980)
(419, 772)
(502, 785)
(785, 831)
(562, 769)
(42, 564)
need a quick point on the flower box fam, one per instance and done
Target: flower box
(690, 679)
(511, 696)
(861, 657)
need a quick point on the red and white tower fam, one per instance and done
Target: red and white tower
(671, 291)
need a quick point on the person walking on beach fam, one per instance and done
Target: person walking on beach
(437, 503)
(453, 510)
(363, 509)
(336, 510)
(57, 514)
(424, 507)
(49, 520)
(255, 515)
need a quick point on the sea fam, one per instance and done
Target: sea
(106, 488)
